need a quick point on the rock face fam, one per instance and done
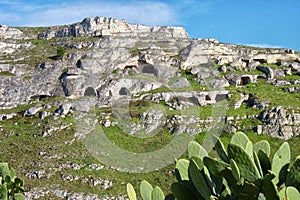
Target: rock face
(100, 26)
(110, 60)
(10, 33)
(280, 123)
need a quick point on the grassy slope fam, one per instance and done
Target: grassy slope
(22, 142)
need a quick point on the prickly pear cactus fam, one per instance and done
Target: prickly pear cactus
(293, 177)
(182, 166)
(244, 162)
(219, 147)
(241, 139)
(243, 171)
(146, 190)
(292, 193)
(262, 145)
(280, 160)
(182, 191)
(235, 170)
(195, 149)
(11, 187)
(131, 192)
(199, 181)
(157, 194)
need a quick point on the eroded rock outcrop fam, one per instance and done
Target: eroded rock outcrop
(10, 33)
(100, 26)
(279, 122)
(132, 61)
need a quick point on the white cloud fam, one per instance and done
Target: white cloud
(146, 12)
(264, 45)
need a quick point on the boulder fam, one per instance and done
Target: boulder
(295, 66)
(277, 122)
(64, 109)
(33, 110)
(267, 70)
(7, 116)
(218, 83)
(182, 82)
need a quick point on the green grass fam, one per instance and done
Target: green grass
(242, 111)
(22, 147)
(275, 95)
(292, 77)
(32, 31)
(44, 50)
(22, 142)
(191, 78)
(135, 144)
(5, 73)
(273, 66)
(18, 109)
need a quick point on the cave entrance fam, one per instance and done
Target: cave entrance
(124, 91)
(148, 69)
(79, 64)
(90, 92)
(207, 98)
(245, 80)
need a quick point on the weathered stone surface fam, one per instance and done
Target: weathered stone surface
(254, 102)
(100, 26)
(268, 72)
(240, 80)
(64, 109)
(152, 120)
(291, 89)
(150, 58)
(181, 83)
(279, 123)
(33, 110)
(7, 116)
(8, 32)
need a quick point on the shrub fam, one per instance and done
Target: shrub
(60, 51)
(243, 171)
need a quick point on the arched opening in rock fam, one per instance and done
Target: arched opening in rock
(148, 69)
(90, 92)
(262, 61)
(79, 64)
(245, 80)
(207, 98)
(221, 97)
(124, 91)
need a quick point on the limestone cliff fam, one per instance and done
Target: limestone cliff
(100, 26)
(109, 58)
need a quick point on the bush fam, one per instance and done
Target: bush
(243, 171)
(11, 187)
(60, 51)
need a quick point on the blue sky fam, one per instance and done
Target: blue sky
(267, 23)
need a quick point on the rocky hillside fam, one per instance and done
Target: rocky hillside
(139, 79)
